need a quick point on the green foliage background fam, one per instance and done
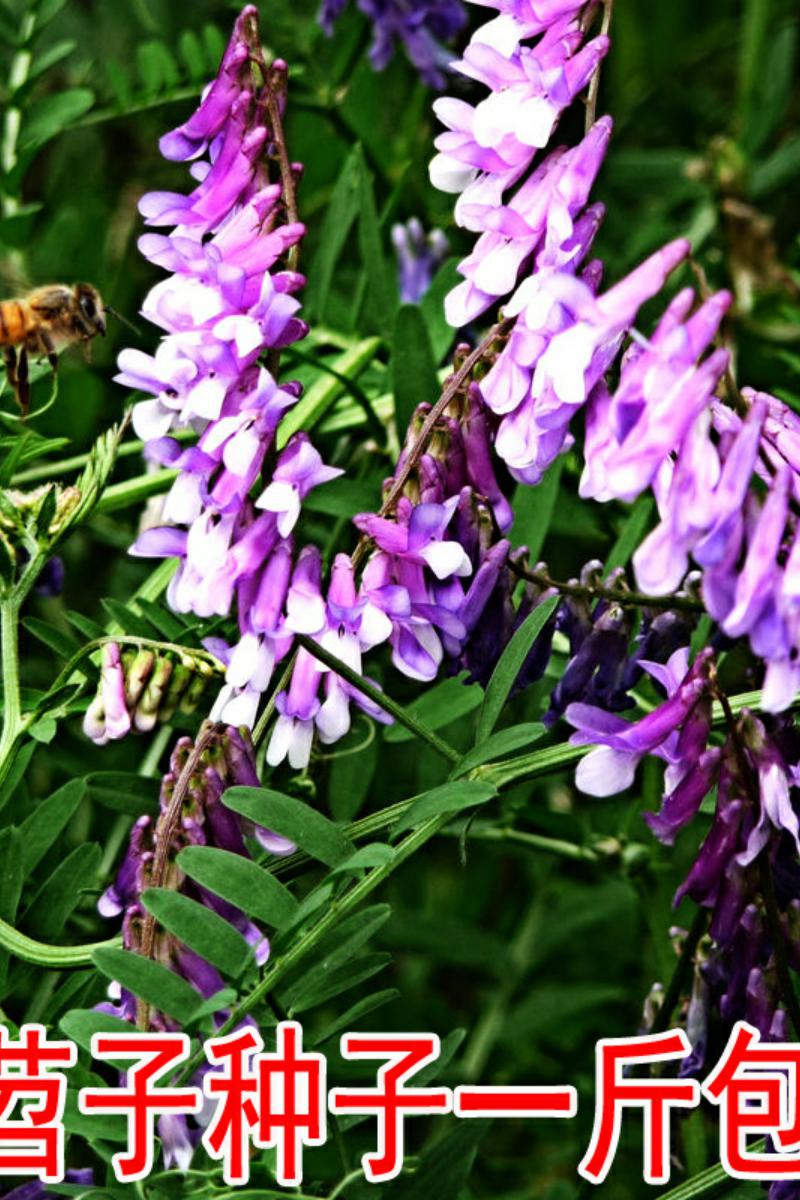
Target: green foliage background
(519, 957)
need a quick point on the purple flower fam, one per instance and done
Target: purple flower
(661, 394)
(419, 256)
(540, 215)
(298, 471)
(190, 139)
(293, 733)
(620, 746)
(490, 145)
(421, 26)
(227, 760)
(777, 813)
(417, 537)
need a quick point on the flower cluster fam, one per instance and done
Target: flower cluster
(224, 760)
(420, 25)
(440, 533)
(536, 230)
(755, 826)
(221, 758)
(141, 687)
(228, 305)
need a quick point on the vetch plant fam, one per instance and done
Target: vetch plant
(459, 630)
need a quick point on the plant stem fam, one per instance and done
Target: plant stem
(337, 910)
(13, 723)
(164, 834)
(594, 86)
(57, 957)
(452, 388)
(617, 595)
(536, 841)
(681, 974)
(380, 698)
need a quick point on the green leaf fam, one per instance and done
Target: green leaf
(335, 982)
(354, 1014)
(324, 392)
(504, 742)
(204, 931)
(17, 771)
(90, 629)
(130, 622)
(449, 798)
(341, 498)
(157, 68)
(778, 170)
(377, 854)
(191, 51)
(62, 643)
(12, 877)
(631, 534)
(123, 792)
(48, 58)
(755, 33)
(352, 771)
(414, 378)
(533, 511)
(448, 701)
(48, 117)
(92, 1126)
(340, 947)
(80, 1024)
(150, 981)
(47, 913)
(293, 819)
(340, 215)
(509, 666)
(440, 334)
(46, 10)
(42, 828)
(242, 882)
(776, 81)
(382, 288)
(444, 1167)
(43, 730)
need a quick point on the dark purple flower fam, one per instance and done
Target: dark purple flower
(420, 25)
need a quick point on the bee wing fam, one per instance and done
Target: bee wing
(13, 280)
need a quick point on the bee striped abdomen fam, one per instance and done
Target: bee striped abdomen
(16, 322)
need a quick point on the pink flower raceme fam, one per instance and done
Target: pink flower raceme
(227, 302)
(490, 145)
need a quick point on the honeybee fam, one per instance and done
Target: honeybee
(43, 322)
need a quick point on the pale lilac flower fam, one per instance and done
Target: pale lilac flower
(490, 145)
(542, 212)
(299, 469)
(293, 733)
(107, 718)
